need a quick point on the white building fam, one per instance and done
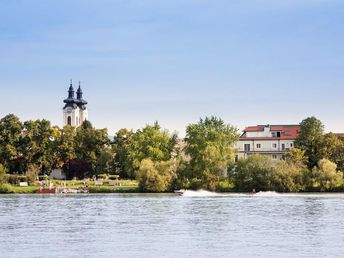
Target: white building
(271, 140)
(74, 111)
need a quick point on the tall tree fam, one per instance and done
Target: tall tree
(210, 146)
(310, 139)
(123, 149)
(10, 141)
(332, 148)
(40, 144)
(90, 144)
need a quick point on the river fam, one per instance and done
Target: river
(165, 225)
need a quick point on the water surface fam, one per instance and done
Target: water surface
(165, 225)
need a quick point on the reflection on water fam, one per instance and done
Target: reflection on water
(165, 225)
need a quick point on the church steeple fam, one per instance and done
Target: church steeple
(74, 111)
(71, 90)
(79, 92)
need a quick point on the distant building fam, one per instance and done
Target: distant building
(270, 140)
(74, 111)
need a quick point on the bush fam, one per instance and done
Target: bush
(113, 177)
(102, 176)
(6, 188)
(325, 176)
(15, 179)
(2, 174)
(44, 177)
(155, 176)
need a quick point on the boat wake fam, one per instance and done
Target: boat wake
(267, 194)
(200, 193)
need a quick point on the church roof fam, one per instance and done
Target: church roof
(73, 102)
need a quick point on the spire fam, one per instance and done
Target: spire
(79, 92)
(71, 90)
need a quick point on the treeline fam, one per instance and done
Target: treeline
(316, 164)
(161, 162)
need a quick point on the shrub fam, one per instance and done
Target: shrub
(6, 188)
(2, 174)
(44, 177)
(325, 176)
(102, 176)
(113, 177)
(155, 176)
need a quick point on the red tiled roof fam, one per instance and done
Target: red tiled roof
(288, 132)
(254, 129)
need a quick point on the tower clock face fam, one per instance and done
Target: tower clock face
(69, 110)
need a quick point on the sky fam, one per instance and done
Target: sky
(248, 62)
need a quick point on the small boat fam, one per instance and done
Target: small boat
(179, 192)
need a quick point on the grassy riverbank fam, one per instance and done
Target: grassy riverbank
(120, 187)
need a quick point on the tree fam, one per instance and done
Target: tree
(123, 148)
(131, 148)
(209, 144)
(90, 144)
(39, 145)
(253, 173)
(332, 148)
(2, 174)
(261, 173)
(326, 177)
(155, 176)
(10, 142)
(66, 146)
(310, 139)
(296, 156)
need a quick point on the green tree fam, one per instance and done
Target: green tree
(10, 142)
(332, 148)
(209, 144)
(253, 173)
(124, 149)
(90, 143)
(155, 176)
(2, 174)
(131, 148)
(39, 145)
(310, 139)
(66, 146)
(326, 177)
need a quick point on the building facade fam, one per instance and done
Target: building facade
(270, 140)
(75, 110)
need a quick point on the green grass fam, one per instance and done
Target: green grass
(24, 189)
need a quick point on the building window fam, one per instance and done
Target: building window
(283, 146)
(69, 120)
(259, 146)
(274, 145)
(274, 156)
(247, 147)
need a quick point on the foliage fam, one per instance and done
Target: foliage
(2, 174)
(10, 142)
(326, 177)
(155, 176)
(6, 189)
(148, 143)
(261, 173)
(310, 139)
(210, 148)
(102, 176)
(332, 148)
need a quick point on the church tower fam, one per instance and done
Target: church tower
(74, 111)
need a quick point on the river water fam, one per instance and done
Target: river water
(165, 225)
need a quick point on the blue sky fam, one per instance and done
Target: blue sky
(249, 62)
